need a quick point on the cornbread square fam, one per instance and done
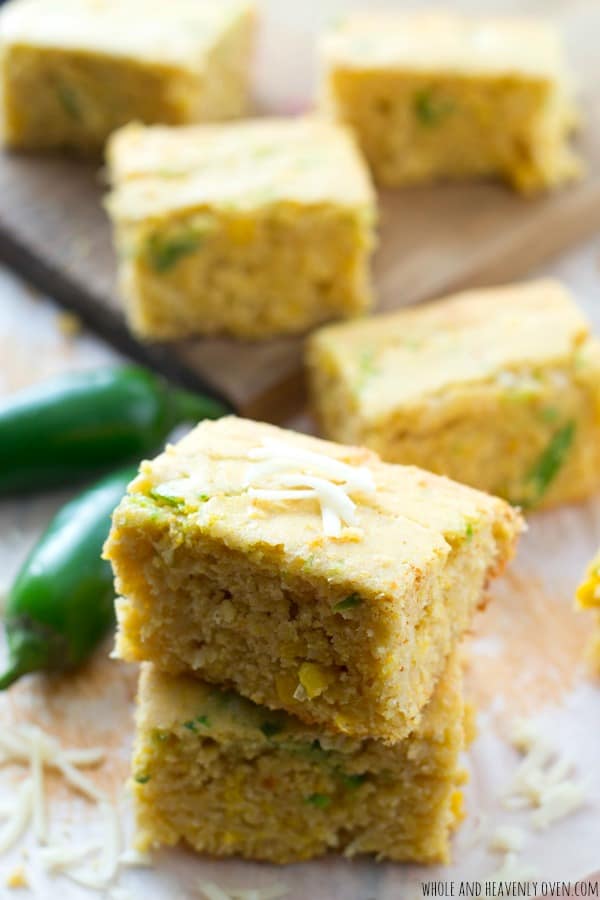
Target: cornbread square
(255, 228)
(498, 388)
(230, 777)
(588, 597)
(306, 576)
(439, 95)
(74, 70)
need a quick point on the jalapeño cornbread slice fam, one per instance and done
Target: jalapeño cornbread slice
(74, 70)
(232, 778)
(588, 597)
(307, 576)
(254, 229)
(437, 95)
(498, 388)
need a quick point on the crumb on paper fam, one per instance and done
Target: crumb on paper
(69, 324)
(17, 878)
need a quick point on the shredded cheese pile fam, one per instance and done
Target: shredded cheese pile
(542, 784)
(93, 865)
(286, 473)
(542, 781)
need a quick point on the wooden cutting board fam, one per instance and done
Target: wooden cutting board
(433, 240)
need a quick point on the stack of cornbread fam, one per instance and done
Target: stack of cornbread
(297, 607)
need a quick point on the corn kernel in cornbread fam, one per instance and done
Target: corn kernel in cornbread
(306, 576)
(498, 388)
(435, 95)
(588, 597)
(253, 229)
(74, 70)
(229, 777)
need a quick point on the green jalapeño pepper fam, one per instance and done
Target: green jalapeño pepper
(62, 601)
(78, 424)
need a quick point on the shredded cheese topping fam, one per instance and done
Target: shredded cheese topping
(282, 473)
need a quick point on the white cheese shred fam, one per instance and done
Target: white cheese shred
(284, 473)
(135, 859)
(40, 822)
(559, 802)
(17, 824)
(508, 839)
(358, 477)
(57, 857)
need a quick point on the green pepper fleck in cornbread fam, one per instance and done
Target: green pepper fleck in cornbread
(305, 575)
(74, 70)
(254, 229)
(498, 388)
(588, 597)
(229, 777)
(437, 95)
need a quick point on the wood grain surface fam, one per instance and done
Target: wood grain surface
(433, 240)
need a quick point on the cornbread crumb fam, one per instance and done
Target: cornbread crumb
(69, 324)
(588, 597)
(349, 635)
(17, 878)
(497, 388)
(233, 778)
(437, 95)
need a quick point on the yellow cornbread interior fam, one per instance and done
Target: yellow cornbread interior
(229, 777)
(439, 96)
(497, 388)
(588, 597)
(349, 632)
(75, 70)
(253, 229)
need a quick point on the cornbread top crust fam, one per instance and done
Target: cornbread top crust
(399, 360)
(438, 41)
(403, 530)
(179, 33)
(171, 704)
(249, 165)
